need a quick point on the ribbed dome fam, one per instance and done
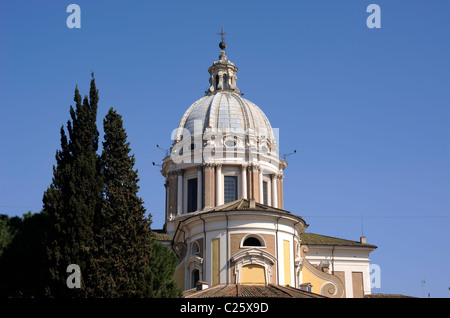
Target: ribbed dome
(226, 111)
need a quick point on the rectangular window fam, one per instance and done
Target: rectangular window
(265, 200)
(230, 189)
(192, 195)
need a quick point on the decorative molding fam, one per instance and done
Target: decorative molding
(208, 166)
(194, 262)
(333, 287)
(253, 256)
(172, 173)
(254, 167)
(180, 249)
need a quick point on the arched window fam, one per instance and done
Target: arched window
(225, 81)
(217, 81)
(253, 241)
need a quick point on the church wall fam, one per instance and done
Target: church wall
(287, 262)
(285, 250)
(316, 282)
(172, 197)
(236, 239)
(358, 288)
(235, 247)
(215, 261)
(219, 237)
(344, 262)
(179, 276)
(209, 185)
(341, 275)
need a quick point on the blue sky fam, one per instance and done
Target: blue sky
(366, 109)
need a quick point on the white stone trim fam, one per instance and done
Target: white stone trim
(253, 256)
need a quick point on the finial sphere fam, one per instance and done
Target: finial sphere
(222, 45)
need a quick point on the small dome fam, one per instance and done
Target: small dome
(226, 111)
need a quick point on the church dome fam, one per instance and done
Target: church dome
(223, 109)
(226, 112)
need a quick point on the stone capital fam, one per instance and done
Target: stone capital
(254, 167)
(208, 166)
(172, 173)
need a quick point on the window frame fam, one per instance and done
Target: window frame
(236, 190)
(256, 236)
(194, 196)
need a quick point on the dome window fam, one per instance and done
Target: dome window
(265, 193)
(192, 194)
(230, 188)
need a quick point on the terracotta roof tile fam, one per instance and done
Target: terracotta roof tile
(317, 239)
(250, 291)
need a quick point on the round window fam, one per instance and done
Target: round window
(230, 143)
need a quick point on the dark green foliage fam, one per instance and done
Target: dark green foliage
(163, 264)
(92, 217)
(7, 232)
(74, 198)
(22, 265)
(123, 230)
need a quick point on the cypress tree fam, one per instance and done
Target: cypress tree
(74, 198)
(124, 234)
(163, 265)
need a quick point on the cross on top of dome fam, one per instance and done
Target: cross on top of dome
(222, 72)
(222, 44)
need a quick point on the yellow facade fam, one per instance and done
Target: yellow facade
(253, 275)
(287, 262)
(315, 281)
(215, 251)
(179, 275)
